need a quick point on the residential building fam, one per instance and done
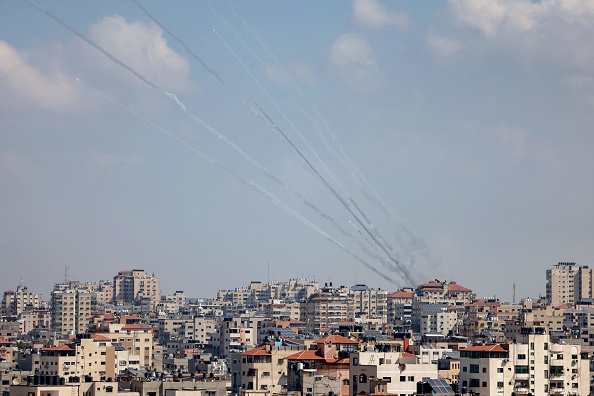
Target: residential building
(388, 372)
(370, 303)
(72, 310)
(264, 369)
(532, 365)
(133, 285)
(568, 283)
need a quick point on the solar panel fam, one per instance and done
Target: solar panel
(440, 386)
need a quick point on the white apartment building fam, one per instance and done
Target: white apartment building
(531, 366)
(388, 372)
(568, 283)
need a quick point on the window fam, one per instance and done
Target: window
(500, 369)
(484, 384)
(474, 383)
(402, 378)
(474, 368)
(484, 369)
(521, 356)
(464, 369)
(411, 378)
(500, 384)
(521, 369)
(362, 378)
(531, 346)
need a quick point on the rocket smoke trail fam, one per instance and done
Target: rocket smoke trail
(365, 263)
(151, 84)
(182, 106)
(222, 82)
(195, 56)
(399, 268)
(249, 184)
(342, 156)
(238, 97)
(384, 245)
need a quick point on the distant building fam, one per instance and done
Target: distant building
(568, 283)
(72, 310)
(16, 301)
(134, 285)
(533, 365)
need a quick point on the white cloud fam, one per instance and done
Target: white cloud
(371, 13)
(21, 81)
(142, 47)
(352, 49)
(354, 61)
(555, 30)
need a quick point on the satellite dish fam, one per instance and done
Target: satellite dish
(16, 381)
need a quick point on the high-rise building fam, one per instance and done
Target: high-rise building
(72, 310)
(370, 303)
(568, 283)
(133, 285)
(533, 365)
(16, 301)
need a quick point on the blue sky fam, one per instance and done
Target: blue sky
(415, 140)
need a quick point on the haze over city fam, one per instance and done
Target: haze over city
(353, 142)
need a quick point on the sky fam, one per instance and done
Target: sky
(365, 141)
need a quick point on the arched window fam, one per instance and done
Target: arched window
(362, 378)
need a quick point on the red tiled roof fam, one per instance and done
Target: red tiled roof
(453, 286)
(99, 337)
(5, 342)
(58, 348)
(401, 294)
(486, 348)
(336, 339)
(562, 306)
(135, 326)
(305, 355)
(409, 355)
(260, 351)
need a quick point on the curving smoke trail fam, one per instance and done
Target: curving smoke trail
(398, 267)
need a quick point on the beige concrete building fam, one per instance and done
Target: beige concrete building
(568, 283)
(399, 306)
(68, 389)
(533, 365)
(370, 303)
(327, 307)
(135, 338)
(264, 369)
(72, 310)
(16, 301)
(133, 285)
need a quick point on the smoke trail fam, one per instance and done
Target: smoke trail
(343, 156)
(195, 56)
(182, 106)
(238, 97)
(151, 84)
(249, 184)
(399, 268)
(311, 167)
(221, 81)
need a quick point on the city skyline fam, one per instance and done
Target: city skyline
(358, 142)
